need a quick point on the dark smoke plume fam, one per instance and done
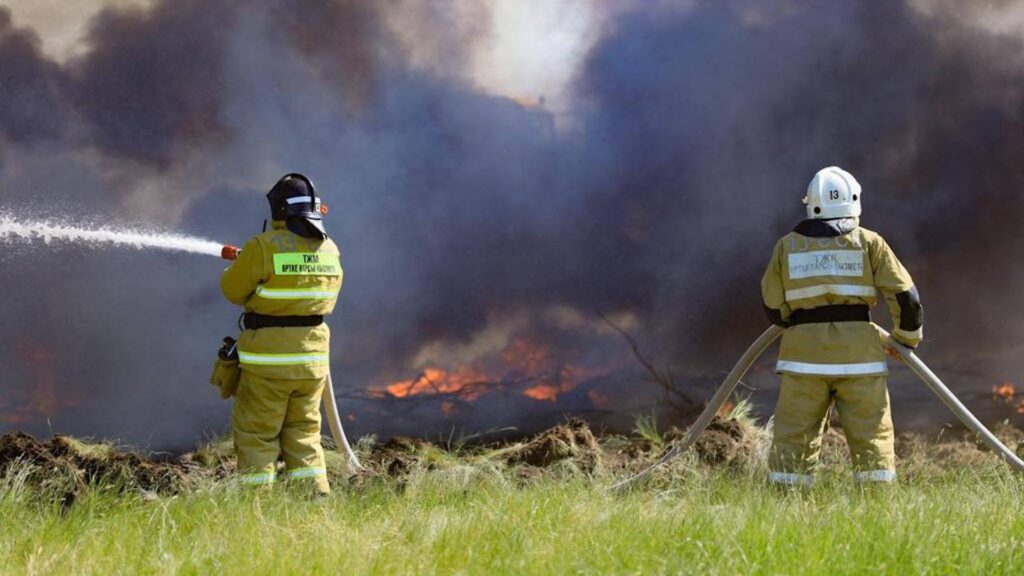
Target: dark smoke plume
(152, 86)
(32, 108)
(339, 39)
(695, 135)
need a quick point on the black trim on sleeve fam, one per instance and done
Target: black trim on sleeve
(911, 311)
(775, 317)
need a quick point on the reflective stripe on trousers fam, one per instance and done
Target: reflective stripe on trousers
(282, 359)
(307, 472)
(875, 476)
(257, 478)
(790, 479)
(806, 479)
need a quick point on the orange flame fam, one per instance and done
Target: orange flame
(527, 358)
(438, 381)
(1005, 391)
(543, 392)
(521, 366)
(525, 361)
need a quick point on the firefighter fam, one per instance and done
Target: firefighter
(287, 279)
(821, 281)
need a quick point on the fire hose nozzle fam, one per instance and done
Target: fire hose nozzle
(230, 252)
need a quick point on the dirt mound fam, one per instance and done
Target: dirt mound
(724, 441)
(65, 466)
(398, 456)
(570, 441)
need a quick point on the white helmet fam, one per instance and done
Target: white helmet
(833, 193)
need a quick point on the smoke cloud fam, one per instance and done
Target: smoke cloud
(150, 87)
(469, 221)
(33, 109)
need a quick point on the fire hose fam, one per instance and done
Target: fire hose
(916, 365)
(330, 402)
(334, 423)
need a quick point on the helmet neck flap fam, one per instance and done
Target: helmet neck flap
(294, 199)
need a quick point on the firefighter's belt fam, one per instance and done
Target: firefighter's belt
(254, 321)
(835, 313)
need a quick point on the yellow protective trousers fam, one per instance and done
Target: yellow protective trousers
(863, 406)
(273, 418)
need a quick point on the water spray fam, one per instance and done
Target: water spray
(51, 232)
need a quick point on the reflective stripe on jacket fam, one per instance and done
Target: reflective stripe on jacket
(279, 273)
(824, 263)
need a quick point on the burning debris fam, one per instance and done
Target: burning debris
(1006, 393)
(522, 367)
(464, 383)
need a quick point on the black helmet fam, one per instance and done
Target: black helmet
(294, 200)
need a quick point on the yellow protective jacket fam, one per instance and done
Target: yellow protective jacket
(836, 262)
(280, 273)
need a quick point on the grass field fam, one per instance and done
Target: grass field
(714, 523)
(463, 514)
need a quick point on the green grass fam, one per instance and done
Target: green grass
(466, 519)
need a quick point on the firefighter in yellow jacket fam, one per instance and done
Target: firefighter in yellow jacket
(287, 279)
(821, 281)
